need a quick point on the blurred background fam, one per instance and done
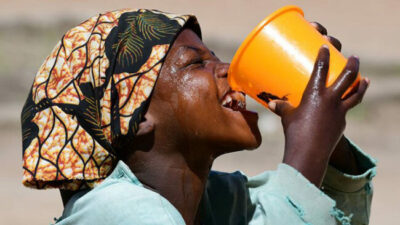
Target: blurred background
(369, 28)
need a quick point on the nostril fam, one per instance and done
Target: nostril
(225, 75)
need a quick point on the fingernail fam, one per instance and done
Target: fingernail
(357, 60)
(272, 105)
(325, 46)
(367, 80)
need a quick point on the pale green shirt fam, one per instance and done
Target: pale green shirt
(277, 197)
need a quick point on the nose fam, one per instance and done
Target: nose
(221, 75)
(221, 70)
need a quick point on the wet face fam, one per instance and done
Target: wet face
(194, 103)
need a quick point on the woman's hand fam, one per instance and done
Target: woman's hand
(313, 129)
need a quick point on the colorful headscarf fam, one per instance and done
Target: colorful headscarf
(93, 89)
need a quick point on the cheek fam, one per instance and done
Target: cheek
(197, 89)
(198, 102)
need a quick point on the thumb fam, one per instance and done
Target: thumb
(280, 107)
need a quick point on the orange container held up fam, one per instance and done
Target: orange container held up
(277, 58)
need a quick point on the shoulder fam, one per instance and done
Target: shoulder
(121, 194)
(116, 201)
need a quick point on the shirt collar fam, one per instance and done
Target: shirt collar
(122, 171)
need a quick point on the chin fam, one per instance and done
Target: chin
(242, 133)
(248, 140)
(255, 141)
(252, 136)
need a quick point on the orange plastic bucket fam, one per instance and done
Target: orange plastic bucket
(277, 58)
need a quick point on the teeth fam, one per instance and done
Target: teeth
(234, 100)
(241, 104)
(227, 100)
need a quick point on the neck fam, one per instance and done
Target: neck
(178, 177)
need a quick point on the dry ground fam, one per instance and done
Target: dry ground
(29, 29)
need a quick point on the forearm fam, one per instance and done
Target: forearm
(311, 166)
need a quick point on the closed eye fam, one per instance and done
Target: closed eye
(195, 62)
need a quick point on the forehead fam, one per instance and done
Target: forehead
(188, 38)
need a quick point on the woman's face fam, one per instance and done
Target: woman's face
(193, 101)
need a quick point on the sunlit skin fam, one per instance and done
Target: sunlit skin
(186, 126)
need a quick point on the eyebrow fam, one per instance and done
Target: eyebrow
(197, 49)
(193, 48)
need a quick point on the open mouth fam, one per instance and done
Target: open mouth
(234, 100)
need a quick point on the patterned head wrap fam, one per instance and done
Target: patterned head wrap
(92, 90)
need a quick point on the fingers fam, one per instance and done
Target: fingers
(347, 76)
(318, 76)
(322, 30)
(335, 42)
(280, 107)
(357, 97)
(319, 28)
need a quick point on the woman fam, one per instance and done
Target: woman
(135, 96)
